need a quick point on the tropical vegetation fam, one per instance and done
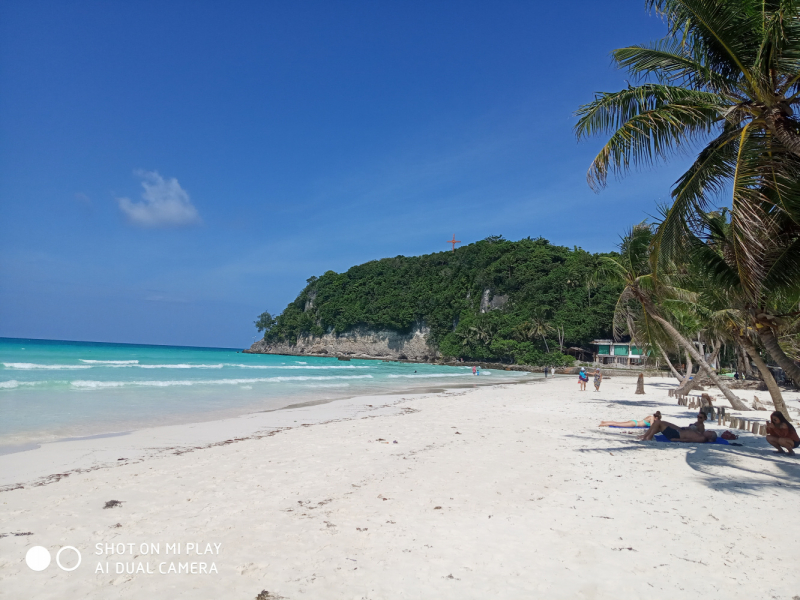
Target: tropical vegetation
(526, 301)
(724, 82)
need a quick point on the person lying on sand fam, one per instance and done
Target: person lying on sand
(696, 433)
(781, 434)
(644, 422)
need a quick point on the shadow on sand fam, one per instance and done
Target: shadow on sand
(737, 469)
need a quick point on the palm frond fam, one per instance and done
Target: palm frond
(694, 191)
(722, 31)
(784, 273)
(669, 61)
(649, 123)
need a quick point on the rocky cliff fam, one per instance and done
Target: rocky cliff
(358, 343)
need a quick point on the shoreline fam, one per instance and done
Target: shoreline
(629, 372)
(112, 406)
(85, 453)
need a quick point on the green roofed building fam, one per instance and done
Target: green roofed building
(619, 354)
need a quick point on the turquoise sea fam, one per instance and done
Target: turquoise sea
(52, 390)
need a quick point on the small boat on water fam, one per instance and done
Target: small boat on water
(342, 358)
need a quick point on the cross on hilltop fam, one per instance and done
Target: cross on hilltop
(454, 241)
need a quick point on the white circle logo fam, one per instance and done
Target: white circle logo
(38, 558)
(58, 558)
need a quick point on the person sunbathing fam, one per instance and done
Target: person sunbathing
(781, 434)
(695, 433)
(644, 422)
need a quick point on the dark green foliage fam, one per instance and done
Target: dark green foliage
(443, 291)
(265, 322)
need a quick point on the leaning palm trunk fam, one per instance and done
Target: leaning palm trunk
(736, 402)
(766, 374)
(669, 363)
(693, 383)
(741, 362)
(687, 378)
(767, 337)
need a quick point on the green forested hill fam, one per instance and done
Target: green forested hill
(534, 288)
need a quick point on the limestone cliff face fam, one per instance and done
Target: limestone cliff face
(358, 343)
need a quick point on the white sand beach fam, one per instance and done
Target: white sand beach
(494, 492)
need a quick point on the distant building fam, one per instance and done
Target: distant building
(620, 354)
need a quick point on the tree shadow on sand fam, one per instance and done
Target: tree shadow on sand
(646, 404)
(743, 469)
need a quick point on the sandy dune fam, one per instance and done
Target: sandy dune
(505, 492)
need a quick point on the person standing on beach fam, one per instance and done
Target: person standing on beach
(583, 379)
(598, 377)
(473, 369)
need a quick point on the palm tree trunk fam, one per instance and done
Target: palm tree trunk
(780, 126)
(766, 374)
(690, 385)
(737, 350)
(669, 363)
(688, 376)
(748, 370)
(767, 337)
(735, 401)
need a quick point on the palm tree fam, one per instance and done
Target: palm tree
(537, 326)
(727, 75)
(485, 332)
(725, 303)
(631, 268)
(727, 69)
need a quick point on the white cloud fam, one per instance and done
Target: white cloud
(82, 199)
(164, 203)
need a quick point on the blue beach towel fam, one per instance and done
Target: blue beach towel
(663, 438)
(620, 427)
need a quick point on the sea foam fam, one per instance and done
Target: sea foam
(33, 366)
(108, 362)
(86, 384)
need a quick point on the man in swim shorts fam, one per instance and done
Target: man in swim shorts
(695, 433)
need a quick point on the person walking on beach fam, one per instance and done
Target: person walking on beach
(782, 434)
(583, 379)
(598, 377)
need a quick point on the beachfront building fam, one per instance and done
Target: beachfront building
(619, 354)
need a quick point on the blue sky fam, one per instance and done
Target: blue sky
(168, 170)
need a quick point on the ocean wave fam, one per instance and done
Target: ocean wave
(180, 366)
(327, 385)
(87, 384)
(241, 366)
(13, 384)
(33, 366)
(414, 375)
(134, 364)
(109, 362)
(298, 367)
